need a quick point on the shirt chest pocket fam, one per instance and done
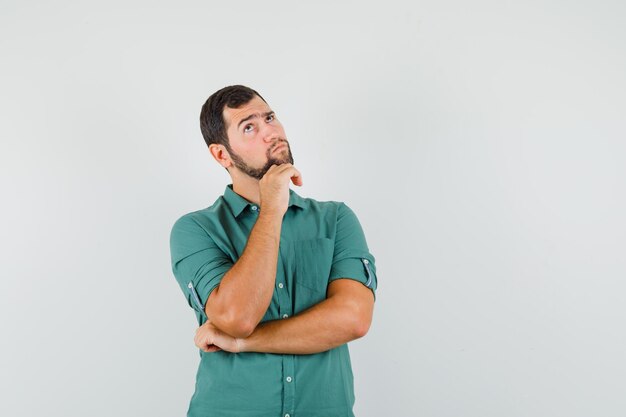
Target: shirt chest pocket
(313, 260)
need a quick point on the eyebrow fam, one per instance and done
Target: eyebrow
(253, 115)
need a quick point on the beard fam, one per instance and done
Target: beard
(283, 157)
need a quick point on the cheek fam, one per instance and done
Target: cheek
(254, 151)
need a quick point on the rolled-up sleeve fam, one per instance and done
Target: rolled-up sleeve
(197, 262)
(352, 258)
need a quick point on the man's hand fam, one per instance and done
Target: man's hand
(211, 339)
(274, 188)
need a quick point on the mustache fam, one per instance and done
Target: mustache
(278, 143)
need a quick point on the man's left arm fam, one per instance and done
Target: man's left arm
(345, 315)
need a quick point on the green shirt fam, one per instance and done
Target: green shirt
(319, 242)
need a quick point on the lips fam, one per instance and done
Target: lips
(279, 147)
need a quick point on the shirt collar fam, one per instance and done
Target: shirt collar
(237, 203)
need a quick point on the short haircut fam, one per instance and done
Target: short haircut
(212, 123)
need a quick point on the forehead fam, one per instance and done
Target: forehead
(233, 116)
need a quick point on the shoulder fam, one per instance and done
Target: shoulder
(201, 221)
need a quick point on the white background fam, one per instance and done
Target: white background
(481, 145)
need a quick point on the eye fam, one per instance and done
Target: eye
(270, 117)
(245, 128)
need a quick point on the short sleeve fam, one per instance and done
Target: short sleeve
(197, 262)
(352, 258)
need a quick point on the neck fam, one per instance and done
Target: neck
(247, 187)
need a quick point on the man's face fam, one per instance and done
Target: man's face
(257, 139)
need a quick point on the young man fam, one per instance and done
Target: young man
(279, 283)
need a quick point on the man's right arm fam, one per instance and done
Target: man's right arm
(245, 292)
(241, 299)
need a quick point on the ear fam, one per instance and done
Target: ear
(220, 154)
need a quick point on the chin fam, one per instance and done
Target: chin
(287, 159)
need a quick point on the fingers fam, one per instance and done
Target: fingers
(198, 342)
(287, 169)
(297, 179)
(210, 348)
(213, 348)
(204, 345)
(204, 339)
(294, 174)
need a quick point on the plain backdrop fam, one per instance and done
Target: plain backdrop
(481, 144)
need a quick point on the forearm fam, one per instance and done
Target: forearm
(238, 304)
(324, 326)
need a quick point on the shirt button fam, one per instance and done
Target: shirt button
(280, 285)
(286, 415)
(288, 379)
(365, 261)
(255, 208)
(285, 316)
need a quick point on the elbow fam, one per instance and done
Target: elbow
(235, 326)
(362, 320)
(229, 320)
(240, 329)
(361, 328)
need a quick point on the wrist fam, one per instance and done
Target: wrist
(250, 343)
(240, 345)
(271, 214)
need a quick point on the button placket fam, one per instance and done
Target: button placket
(285, 309)
(289, 386)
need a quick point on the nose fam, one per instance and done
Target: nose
(270, 133)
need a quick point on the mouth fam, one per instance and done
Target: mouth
(279, 147)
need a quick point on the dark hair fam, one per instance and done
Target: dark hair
(212, 123)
